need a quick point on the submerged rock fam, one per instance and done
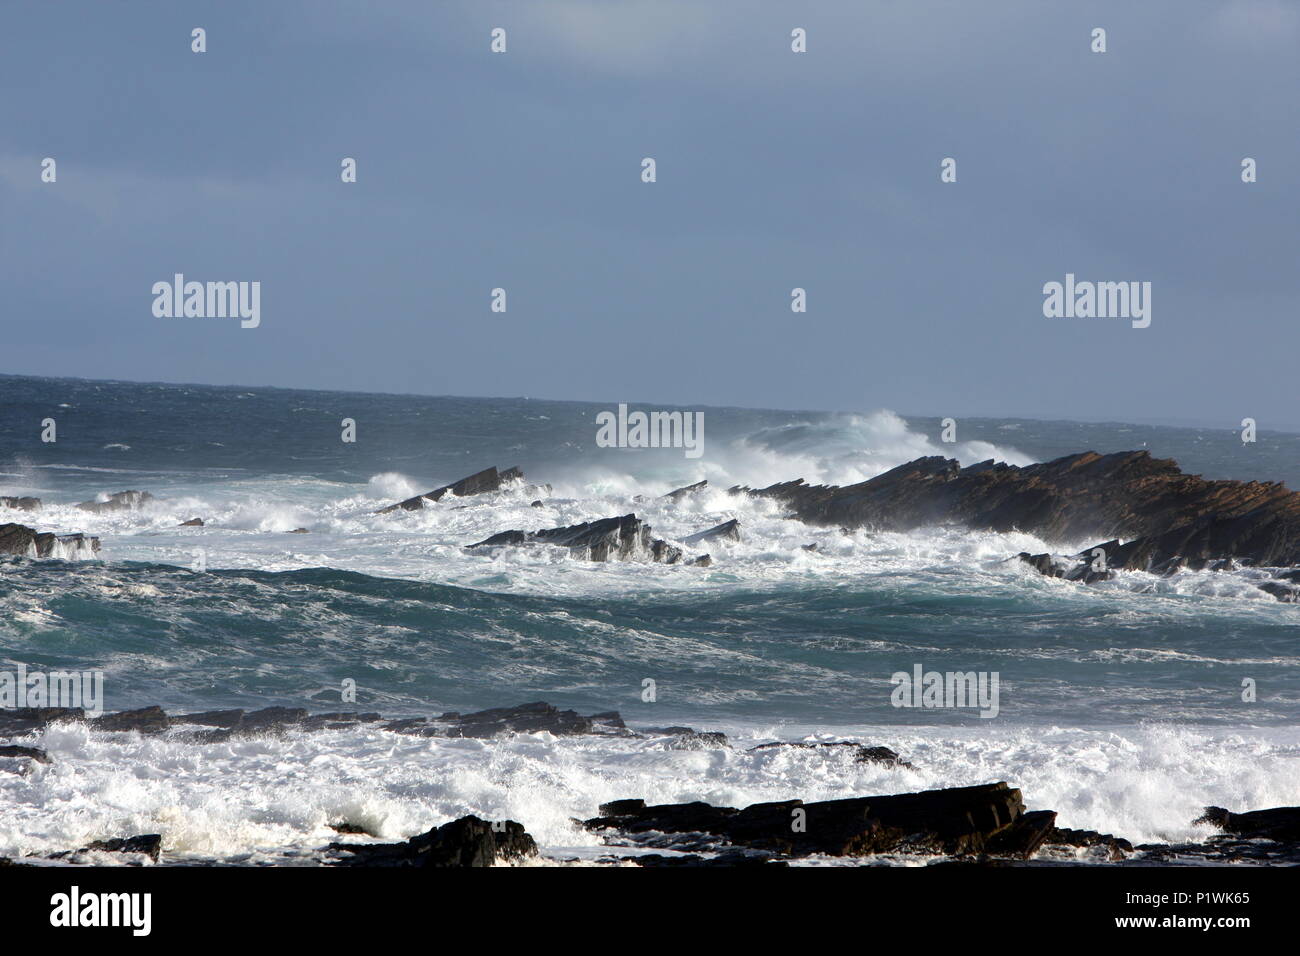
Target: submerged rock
(623, 538)
(487, 480)
(727, 531)
(122, 501)
(192, 523)
(467, 842)
(27, 542)
(14, 751)
(861, 752)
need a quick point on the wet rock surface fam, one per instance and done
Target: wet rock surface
(623, 538)
(467, 842)
(482, 482)
(122, 501)
(23, 541)
(1170, 519)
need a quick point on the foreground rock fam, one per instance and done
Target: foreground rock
(989, 818)
(20, 504)
(1169, 520)
(625, 538)
(122, 501)
(480, 483)
(467, 842)
(1281, 824)
(27, 542)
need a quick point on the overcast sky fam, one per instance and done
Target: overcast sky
(775, 170)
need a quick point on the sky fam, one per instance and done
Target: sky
(775, 170)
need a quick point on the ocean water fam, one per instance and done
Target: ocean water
(1120, 704)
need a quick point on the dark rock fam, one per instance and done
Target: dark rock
(18, 721)
(1165, 515)
(730, 858)
(32, 753)
(192, 523)
(621, 539)
(122, 501)
(811, 547)
(703, 561)
(1280, 823)
(467, 842)
(538, 504)
(480, 483)
(149, 844)
(300, 531)
(21, 504)
(1024, 836)
(147, 720)
(228, 719)
(354, 828)
(681, 493)
(24, 541)
(958, 820)
(1083, 839)
(727, 531)
(524, 719)
(861, 752)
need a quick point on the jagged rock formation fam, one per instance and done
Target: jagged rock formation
(466, 842)
(623, 538)
(1169, 519)
(20, 504)
(489, 479)
(686, 492)
(727, 531)
(122, 501)
(26, 542)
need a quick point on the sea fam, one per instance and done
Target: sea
(1126, 706)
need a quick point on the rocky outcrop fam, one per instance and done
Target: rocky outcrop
(1168, 520)
(686, 492)
(1280, 823)
(477, 484)
(467, 842)
(122, 501)
(727, 531)
(192, 523)
(523, 719)
(988, 818)
(624, 538)
(26, 542)
(20, 504)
